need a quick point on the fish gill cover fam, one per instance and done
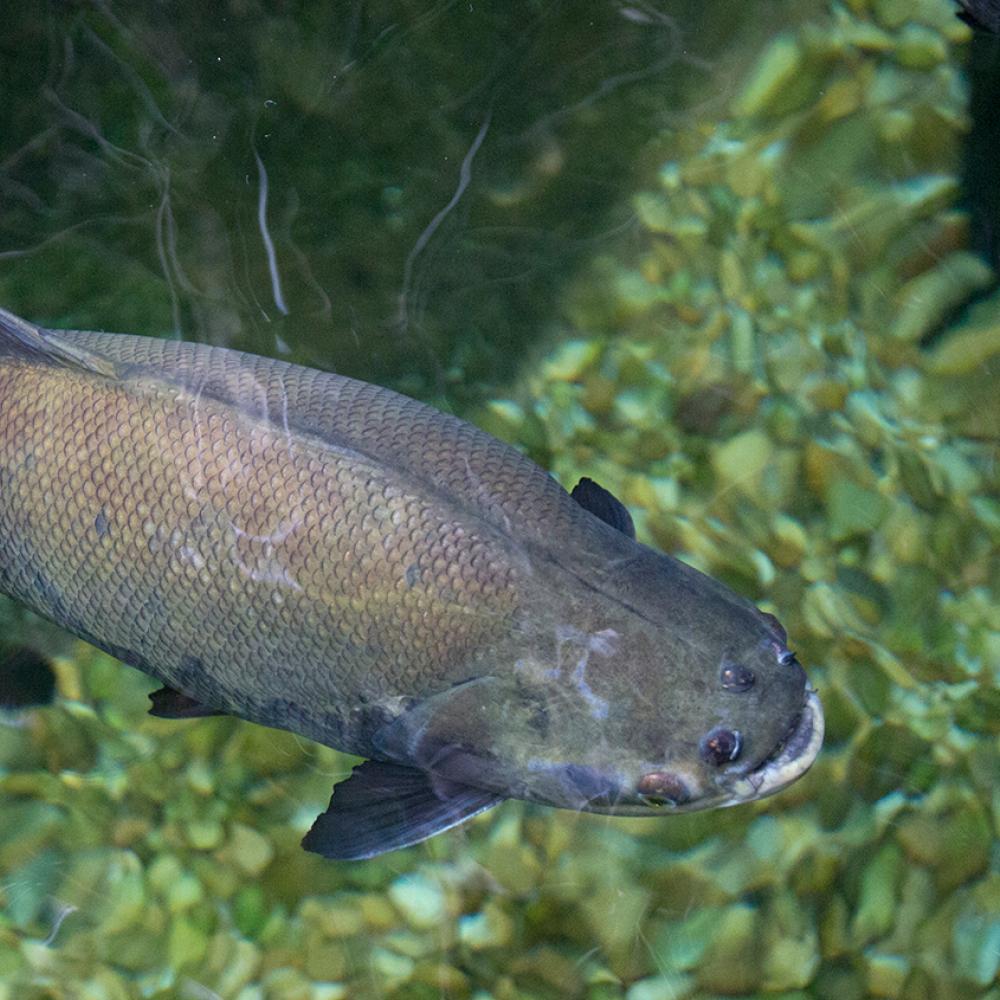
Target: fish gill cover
(718, 268)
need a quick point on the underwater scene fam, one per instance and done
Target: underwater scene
(736, 263)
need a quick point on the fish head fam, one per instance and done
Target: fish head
(674, 694)
(652, 689)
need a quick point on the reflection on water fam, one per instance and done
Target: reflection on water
(210, 174)
(716, 266)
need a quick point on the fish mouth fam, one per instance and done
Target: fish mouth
(788, 761)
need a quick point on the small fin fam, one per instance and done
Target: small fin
(604, 505)
(24, 339)
(442, 731)
(26, 679)
(382, 807)
(171, 704)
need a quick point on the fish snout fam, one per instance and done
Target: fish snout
(773, 726)
(788, 760)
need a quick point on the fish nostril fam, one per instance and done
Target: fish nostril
(737, 678)
(721, 746)
(788, 659)
(779, 629)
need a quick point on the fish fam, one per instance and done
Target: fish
(319, 554)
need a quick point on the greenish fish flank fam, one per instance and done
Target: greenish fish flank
(318, 554)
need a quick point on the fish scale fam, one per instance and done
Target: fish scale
(460, 459)
(318, 554)
(225, 550)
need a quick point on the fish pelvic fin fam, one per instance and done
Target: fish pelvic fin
(382, 807)
(170, 704)
(21, 339)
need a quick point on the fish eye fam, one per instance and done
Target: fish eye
(721, 746)
(737, 678)
(662, 788)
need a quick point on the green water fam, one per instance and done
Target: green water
(716, 260)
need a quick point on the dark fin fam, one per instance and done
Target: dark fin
(604, 505)
(983, 14)
(171, 704)
(22, 339)
(26, 679)
(383, 807)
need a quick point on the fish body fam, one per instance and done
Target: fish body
(318, 554)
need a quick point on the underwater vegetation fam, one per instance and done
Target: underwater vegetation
(769, 371)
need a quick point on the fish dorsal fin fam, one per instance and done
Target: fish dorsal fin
(605, 505)
(20, 338)
(383, 807)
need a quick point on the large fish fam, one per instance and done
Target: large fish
(318, 554)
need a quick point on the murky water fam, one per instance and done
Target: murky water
(717, 261)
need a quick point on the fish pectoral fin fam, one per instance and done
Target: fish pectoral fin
(383, 807)
(171, 704)
(22, 339)
(451, 729)
(605, 505)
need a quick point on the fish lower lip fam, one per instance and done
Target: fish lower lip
(791, 761)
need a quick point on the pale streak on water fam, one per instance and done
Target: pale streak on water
(579, 645)
(265, 235)
(464, 177)
(63, 911)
